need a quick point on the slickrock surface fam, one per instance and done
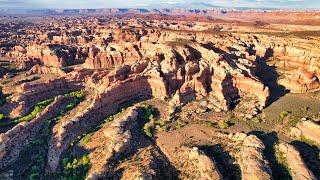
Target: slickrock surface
(296, 165)
(307, 129)
(201, 162)
(148, 163)
(114, 141)
(250, 157)
(192, 163)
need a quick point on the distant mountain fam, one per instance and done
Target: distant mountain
(184, 5)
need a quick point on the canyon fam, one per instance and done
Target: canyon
(125, 94)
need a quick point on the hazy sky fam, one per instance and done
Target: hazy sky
(154, 3)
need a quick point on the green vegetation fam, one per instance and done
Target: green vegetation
(39, 147)
(148, 116)
(151, 123)
(2, 117)
(149, 126)
(78, 94)
(256, 120)
(40, 106)
(34, 154)
(74, 169)
(163, 125)
(209, 124)
(37, 109)
(180, 124)
(86, 138)
(283, 115)
(112, 117)
(224, 124)
(288, 119)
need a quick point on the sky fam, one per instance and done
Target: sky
(84, 4)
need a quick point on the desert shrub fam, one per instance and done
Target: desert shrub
(78, 94)
(283, 115)
(256, 120)
(180, 124)
(37, 109)
(209, 124)
(74, 168)
(223, 124)
(149, 127)
(148, 117)
(2, 117)
(86, 139)
(71, 105)
(162, 125)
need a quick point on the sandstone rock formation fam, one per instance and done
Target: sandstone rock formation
(116, 137)
(250, 157)
(37, 69)
(306, 129)
(206, 166)
(297, 167)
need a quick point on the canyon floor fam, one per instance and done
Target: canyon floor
(160, 96)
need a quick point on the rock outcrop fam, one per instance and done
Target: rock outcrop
(250, 157)
(306, 129)
(296, 165)
(193, 163)
(38, 69)
(114, 140)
